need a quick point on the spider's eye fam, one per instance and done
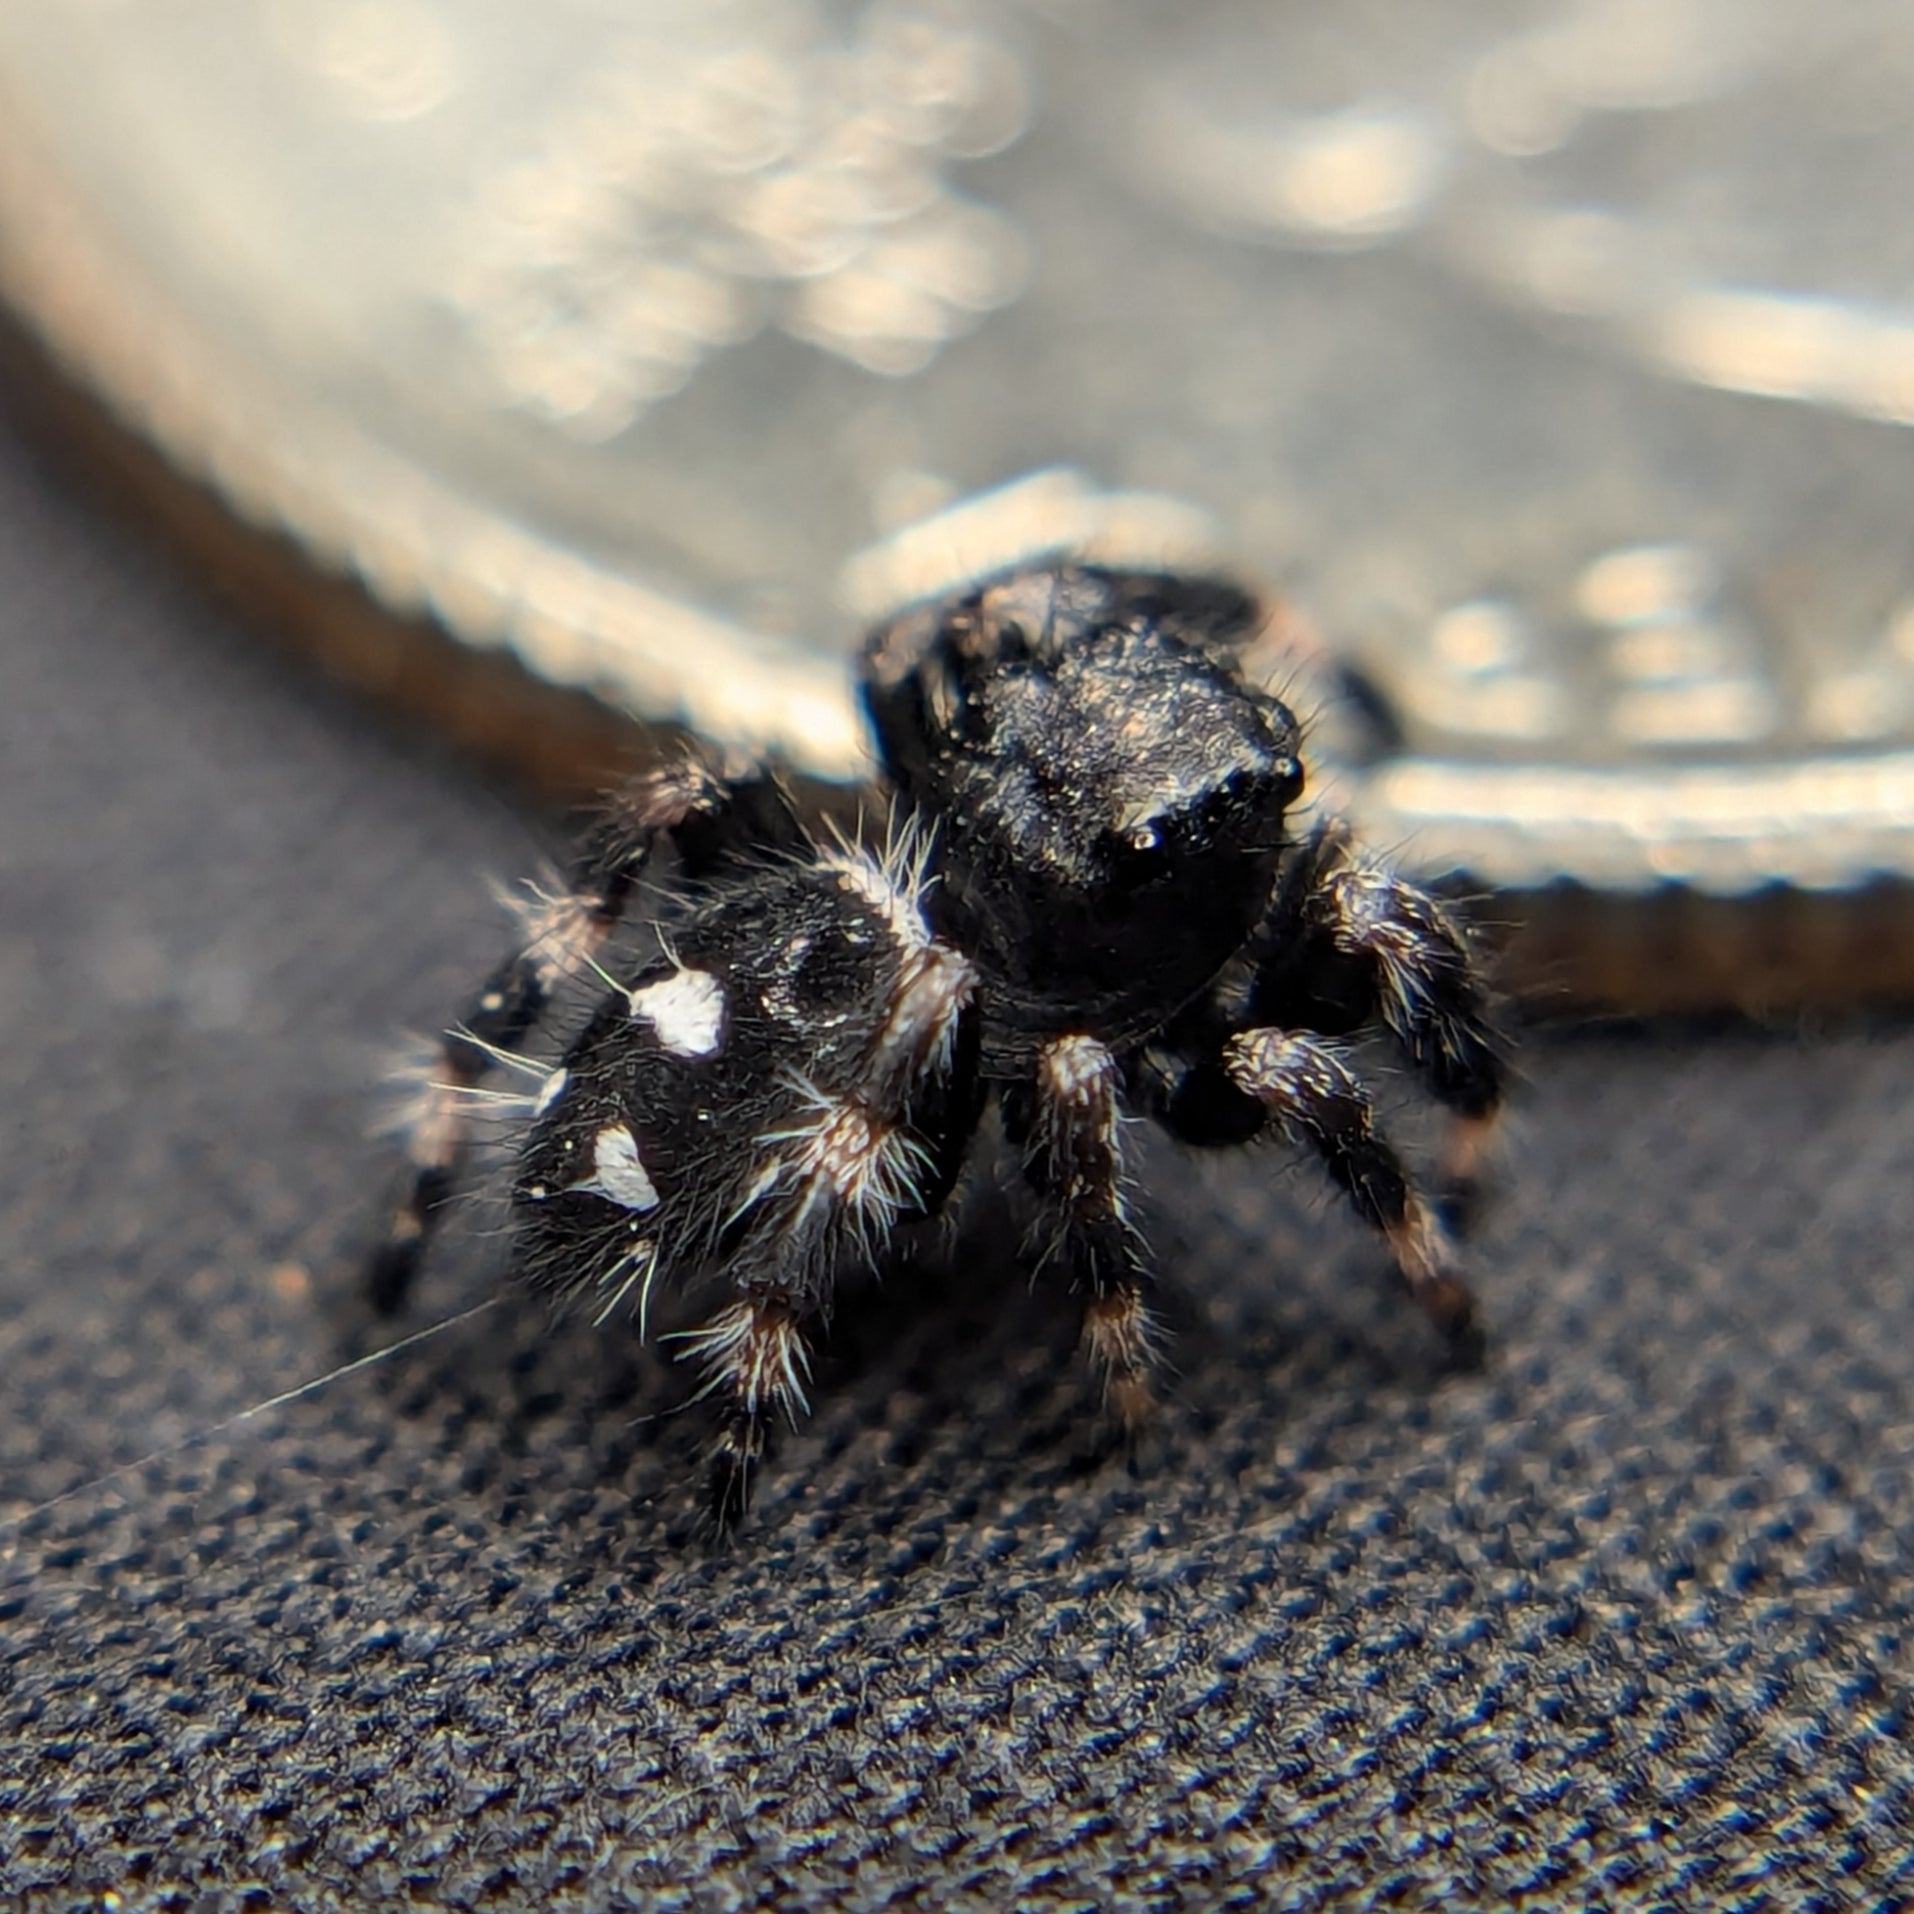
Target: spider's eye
(1219, 812)
(1246, 796)
(1138, 855)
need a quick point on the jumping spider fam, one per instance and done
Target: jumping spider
(1085, 901)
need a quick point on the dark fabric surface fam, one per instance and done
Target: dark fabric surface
(1621, 1621)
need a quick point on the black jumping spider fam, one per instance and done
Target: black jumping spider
(1085, 902)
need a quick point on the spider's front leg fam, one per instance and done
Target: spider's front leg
(1349, 942)
(707, 813)
(1222, 1088)
(1067, 1121)
(1312, 1092)
(845, 1166)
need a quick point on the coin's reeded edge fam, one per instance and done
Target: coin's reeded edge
(298, 468)
(1773, 955)
(556, 743)
(1825, 823)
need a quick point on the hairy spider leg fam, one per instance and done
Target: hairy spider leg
(758, 1355)
(840, 1170)
(1348, 941)
(709, 814)
(1068, 1122)
(1302, 1082)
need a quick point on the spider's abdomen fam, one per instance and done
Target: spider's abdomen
(788, 1082)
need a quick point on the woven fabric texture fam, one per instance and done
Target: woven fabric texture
(1621, 1621)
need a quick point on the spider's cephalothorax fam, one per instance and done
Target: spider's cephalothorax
(1108, 795)
(1088, 899)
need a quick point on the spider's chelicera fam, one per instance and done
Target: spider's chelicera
(1087, 899)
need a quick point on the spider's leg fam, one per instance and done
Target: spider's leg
(841, 1172)
(707, 813)
(760, 1361)
(1349, 941)
(1306, 1086)
(1068, 1122)
(800, 1079)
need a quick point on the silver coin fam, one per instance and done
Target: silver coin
(1555, 361)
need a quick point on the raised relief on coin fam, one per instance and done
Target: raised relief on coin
(721, 171)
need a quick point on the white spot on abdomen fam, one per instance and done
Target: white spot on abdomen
(618, 1174)
(686, 1009)
(550, 1091)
